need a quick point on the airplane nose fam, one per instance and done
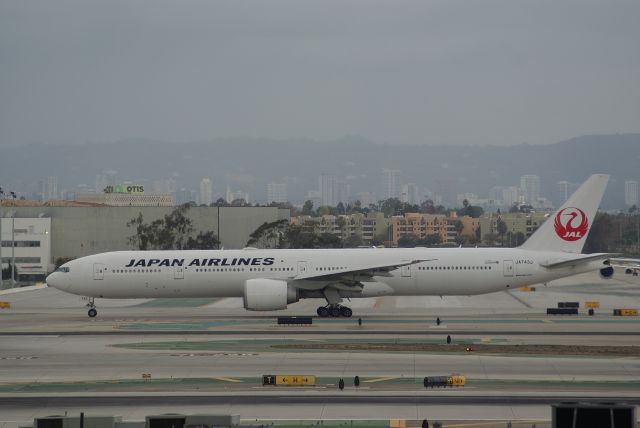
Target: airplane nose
(55, 280)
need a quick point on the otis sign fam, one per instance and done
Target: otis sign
(571, 224)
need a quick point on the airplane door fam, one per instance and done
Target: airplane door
(178, 272)
(508, 267)
(405, 271)
(302, 268)
(98, 271)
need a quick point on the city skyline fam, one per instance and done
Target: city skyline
(353, 169)
(331, 193)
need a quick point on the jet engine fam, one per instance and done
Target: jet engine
(268, 294)
(606, 272)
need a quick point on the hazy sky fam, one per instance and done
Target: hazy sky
(464, 72)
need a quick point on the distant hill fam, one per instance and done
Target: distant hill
(250, 163)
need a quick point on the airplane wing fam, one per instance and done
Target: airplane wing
(368, 270)
(575, 261)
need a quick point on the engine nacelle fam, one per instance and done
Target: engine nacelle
(606, 272)
(268, 294)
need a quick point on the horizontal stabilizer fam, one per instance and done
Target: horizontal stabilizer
(575, 261)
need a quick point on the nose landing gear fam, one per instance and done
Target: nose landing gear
(92, 312)
(334, 311)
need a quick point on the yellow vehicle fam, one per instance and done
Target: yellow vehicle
(626, 312)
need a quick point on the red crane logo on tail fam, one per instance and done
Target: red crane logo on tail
(571, 224)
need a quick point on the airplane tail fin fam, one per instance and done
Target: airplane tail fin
(567, 229)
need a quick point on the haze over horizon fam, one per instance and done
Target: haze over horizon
(449, 72)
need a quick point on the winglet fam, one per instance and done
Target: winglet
(567, 229)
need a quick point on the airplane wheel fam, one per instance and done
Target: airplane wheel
(92, 312)
(346, 312)
(335, 312)
(323, 312)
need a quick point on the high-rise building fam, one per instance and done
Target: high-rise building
(343, 192)
(50, 188)
(562, 192)
(105, 179)
(314, 197)
(164, 185)
(184, 196)
(446, 191)
(510, 196)
(238, 195)
(495, 193)
(206, 192)
(631, 192)
(277, 192)
(327, 186)
(530, 187)
(410, 194)
(390, 183)
(564, 189)
(367, 198)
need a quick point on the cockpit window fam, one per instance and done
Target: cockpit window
(64, 269)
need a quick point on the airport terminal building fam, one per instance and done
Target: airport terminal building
(31, 242)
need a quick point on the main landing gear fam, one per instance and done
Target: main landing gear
(92, 312)
(333, 307)
(334, 311)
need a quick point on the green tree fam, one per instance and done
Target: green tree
(431, 240)
(324, 210)
(353, 241)
(408, 241)
(307, 208)
(459, 226)
(501, 228)
(177, 228)
(427, 207)
(328, 240)
(490, 239)
(391, 206)
(268, 234)
(296, 237)
(6, 272)
(601, 238)
(172, 232)
(203, 241)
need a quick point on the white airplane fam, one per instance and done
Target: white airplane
(271, 279)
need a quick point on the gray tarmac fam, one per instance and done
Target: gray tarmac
(50, 348)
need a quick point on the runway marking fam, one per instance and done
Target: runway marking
(380, 379)
(547, 321)
(228, 379)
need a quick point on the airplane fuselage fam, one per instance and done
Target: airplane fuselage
(223, 273)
